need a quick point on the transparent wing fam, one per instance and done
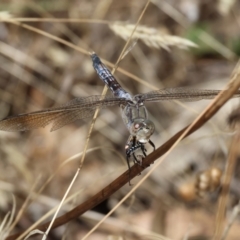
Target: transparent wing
(183, 94)
(77, 108)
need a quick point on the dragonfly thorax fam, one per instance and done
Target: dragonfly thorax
(135, 117)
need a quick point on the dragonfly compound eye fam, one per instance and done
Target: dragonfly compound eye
(142, 129)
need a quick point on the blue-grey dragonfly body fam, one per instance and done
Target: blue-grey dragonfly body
(134, 112)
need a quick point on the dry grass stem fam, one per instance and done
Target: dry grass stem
(26, 203)
(61, 203)
(222, 203)
(5, 226)
(34, 232)
(232, 219)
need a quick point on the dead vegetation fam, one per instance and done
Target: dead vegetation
(44, 62)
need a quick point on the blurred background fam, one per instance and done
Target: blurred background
(38, 72)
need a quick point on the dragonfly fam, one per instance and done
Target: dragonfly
(134, 112)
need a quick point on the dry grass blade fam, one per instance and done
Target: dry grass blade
(3, 223)
(24, 206)
(151, 36)
(233, 218)
(61, 203)
(7, 221)
(34, 232)
(222, 203)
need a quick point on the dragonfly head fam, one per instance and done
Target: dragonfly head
(142, 129)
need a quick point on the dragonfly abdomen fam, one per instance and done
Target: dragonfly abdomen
(106, 76)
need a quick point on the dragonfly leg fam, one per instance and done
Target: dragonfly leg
(129, 169)
(135, 160)
(144, 150)
(152, 144)
(131, 146)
